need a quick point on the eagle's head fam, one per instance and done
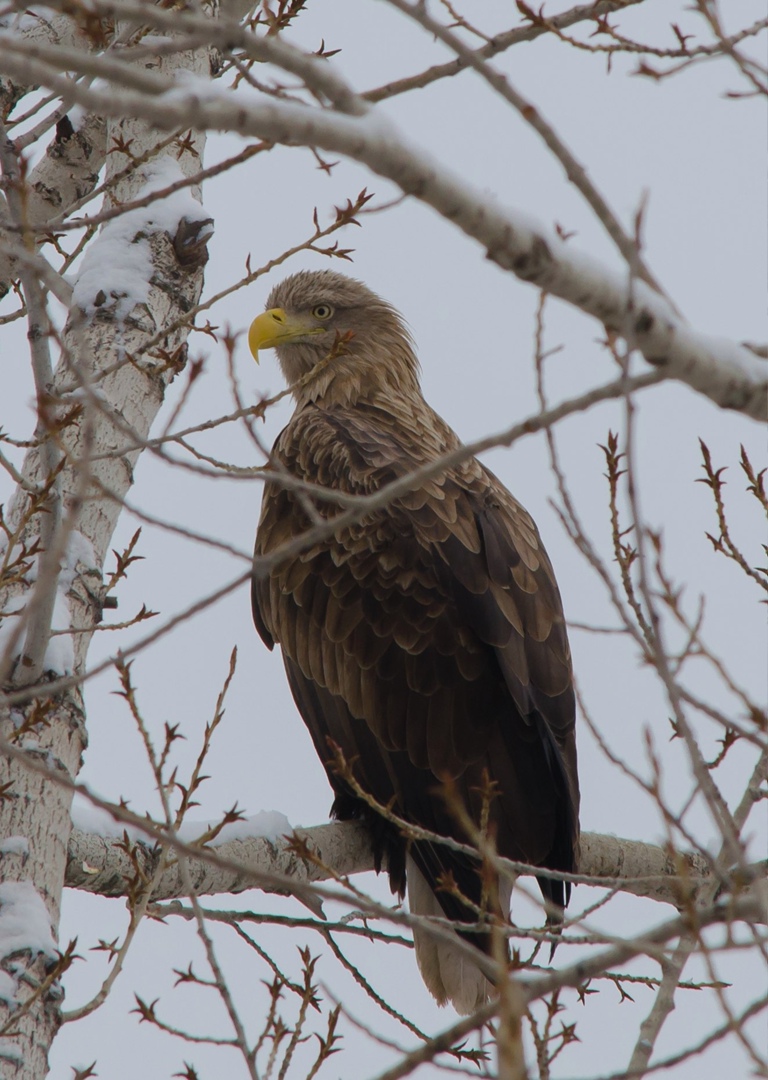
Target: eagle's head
(333, 336)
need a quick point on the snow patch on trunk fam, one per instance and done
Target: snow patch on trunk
(24, 921)
(24, 926)
(14, 845)
(116, 272)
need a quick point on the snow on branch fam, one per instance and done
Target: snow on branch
(729, 374)
(108, 864)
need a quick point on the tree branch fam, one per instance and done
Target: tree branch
(728, 373)
(106, 865)
(500, 43)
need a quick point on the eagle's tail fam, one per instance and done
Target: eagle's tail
(447, 970)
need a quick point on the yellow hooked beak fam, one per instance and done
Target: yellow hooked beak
(276, 327)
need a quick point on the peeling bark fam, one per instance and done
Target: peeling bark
(68, 171)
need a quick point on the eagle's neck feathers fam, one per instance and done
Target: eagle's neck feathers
(361, 371)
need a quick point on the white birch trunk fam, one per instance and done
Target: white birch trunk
(67, 172)
(32, 807)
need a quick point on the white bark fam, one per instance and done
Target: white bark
(100, 864)
(97, 864)
(67, 172)
(37, 27)
(128, 399)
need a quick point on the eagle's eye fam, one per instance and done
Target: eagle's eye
(322, 312)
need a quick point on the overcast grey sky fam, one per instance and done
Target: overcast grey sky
(698, 159)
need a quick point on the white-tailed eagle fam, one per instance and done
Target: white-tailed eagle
(426, 639)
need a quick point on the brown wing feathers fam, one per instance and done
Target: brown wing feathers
(415, 619)
(427, 640)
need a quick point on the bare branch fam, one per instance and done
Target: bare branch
(729, 374)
